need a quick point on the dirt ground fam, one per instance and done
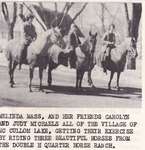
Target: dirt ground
(63, 93)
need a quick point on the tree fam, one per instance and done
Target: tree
(78, 13)
(102, 17)
(59, 18)
(136, 16)
(10, 23)
(66, 9)
(128, 20)
(133, 27)
(133, 23)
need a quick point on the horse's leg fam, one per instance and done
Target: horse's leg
(31, 70)
(40, 77)
(118, 76)
(12, 72)
(77, 78)
(90, 82)
(111, 77)
(49, 76)
(80, 79)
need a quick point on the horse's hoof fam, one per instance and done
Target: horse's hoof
(79, 89)
(93, 86)
(49, 84)
(89, 83)
(30, 90)
(11, 85)
(118, 89)
(109, 88)
(12, 82)
(41, 90)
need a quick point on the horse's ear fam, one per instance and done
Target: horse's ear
(90, 33)
(96, 34)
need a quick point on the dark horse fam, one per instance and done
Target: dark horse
(84, 61)
(56, 56)
(36, 53)
(117, 60)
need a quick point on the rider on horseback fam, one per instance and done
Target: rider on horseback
(74, 42)
(109, 40)
(30, 35)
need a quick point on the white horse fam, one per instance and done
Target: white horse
(116, 62)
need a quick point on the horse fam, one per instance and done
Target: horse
(84, 61)
(38, 56)
(56, 56)
(36, 53)
(117, 59)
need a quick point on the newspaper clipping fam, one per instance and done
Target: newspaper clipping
(71, 75)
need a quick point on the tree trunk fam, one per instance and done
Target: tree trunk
(65, 11)
(10, 25)
(78, 13)
(10, 32)
(102, 17)
(128, 20)
(134, 27)
(137, 9)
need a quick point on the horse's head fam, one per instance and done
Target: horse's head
(57, 38)
(92, 41)
(131, 47)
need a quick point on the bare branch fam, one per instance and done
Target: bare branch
(129, 22)
(75, 17)
(5, 12)
(113, 16)
(35, 17)
(102, 17)
(55, 7)
(66, 4)
(21, 8)
(21, 15)
(14, 14)
(40, 4)
(44, 15)
(56, 12)
(108, 11)
(126, 12)
(68, 7)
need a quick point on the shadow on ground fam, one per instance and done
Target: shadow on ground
(125, 92)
